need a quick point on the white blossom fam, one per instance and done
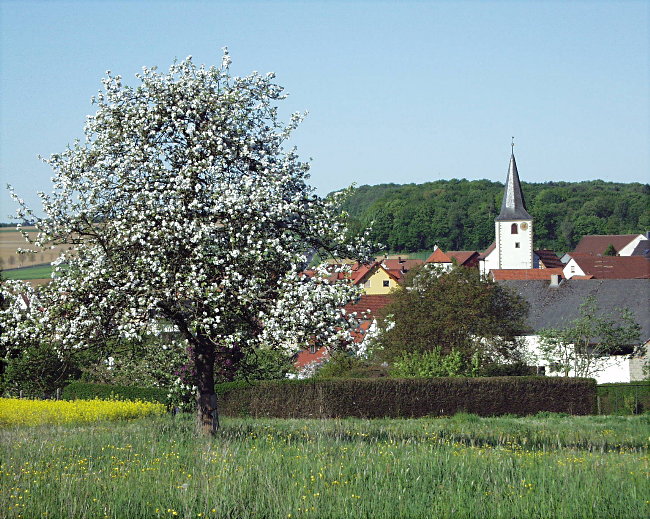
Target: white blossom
(182, 204)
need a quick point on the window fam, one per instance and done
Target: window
(386, 283)
(312, 348)
(513, 229)
(573, 269)
(516, 245)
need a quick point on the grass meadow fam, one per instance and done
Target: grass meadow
(464, 466)
(28, 273)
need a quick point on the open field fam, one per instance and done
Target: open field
(11, 240)
(466, 466)
(27, 273)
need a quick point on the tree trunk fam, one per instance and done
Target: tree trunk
(207, 414)
(206, 399)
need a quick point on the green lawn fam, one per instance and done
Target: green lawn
(26, 273)
(465, 466)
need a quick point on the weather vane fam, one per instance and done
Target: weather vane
(512, 145)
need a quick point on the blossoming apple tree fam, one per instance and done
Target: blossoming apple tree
(184, 206)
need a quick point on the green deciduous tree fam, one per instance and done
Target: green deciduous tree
(610, 250)
(453, 311)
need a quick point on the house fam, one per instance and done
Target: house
(375, 278)
(464, 258)
(400, 266)
(366, 310)
(607, 267)
(643, 247)
(546, 259)
(308, 360)
(382, 276)
(555, 306)
(597, 245)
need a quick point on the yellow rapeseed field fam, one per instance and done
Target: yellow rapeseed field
(15, 411)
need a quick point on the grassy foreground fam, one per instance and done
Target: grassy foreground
(466, 466)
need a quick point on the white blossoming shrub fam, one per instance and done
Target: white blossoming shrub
(183, 205)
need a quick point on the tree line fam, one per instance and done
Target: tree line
(459, 214)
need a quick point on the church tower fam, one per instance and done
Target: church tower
(514, 226)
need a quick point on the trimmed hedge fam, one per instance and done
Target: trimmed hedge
(405, 398)
(624, 398)
(85, 391)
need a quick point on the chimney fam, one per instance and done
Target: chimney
(555, 280)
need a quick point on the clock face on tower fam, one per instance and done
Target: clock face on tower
(523, 226)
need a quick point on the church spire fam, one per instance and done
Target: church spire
(513, 206)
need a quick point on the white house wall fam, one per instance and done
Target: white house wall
(629, 248)
(572, 269)
(490, 262)
(616, 368)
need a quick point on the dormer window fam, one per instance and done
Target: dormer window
(513, 229)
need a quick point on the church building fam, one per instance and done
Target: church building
(513, 228)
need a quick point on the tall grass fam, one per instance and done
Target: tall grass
(466, 466)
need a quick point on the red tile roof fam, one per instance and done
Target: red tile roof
(362, 274)
(487, 251)
(467, 258)
(438, 256)
(507, 274)
(361, 331)
(598, 243)
(305, 357)
(548, 259)
(614, 267)
(401, 264)
(368, 303)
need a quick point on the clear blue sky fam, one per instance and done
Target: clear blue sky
(396, 91)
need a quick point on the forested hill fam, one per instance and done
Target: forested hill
(459, 214)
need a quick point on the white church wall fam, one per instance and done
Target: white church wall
(515, 250)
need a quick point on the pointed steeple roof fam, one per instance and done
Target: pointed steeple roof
(513, 206)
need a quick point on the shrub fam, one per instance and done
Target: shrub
(344, 365)
(434, 364)
(624, 398)
(39, 370)
(85, 391)
(516, 369)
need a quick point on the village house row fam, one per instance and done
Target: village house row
(554, 287)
